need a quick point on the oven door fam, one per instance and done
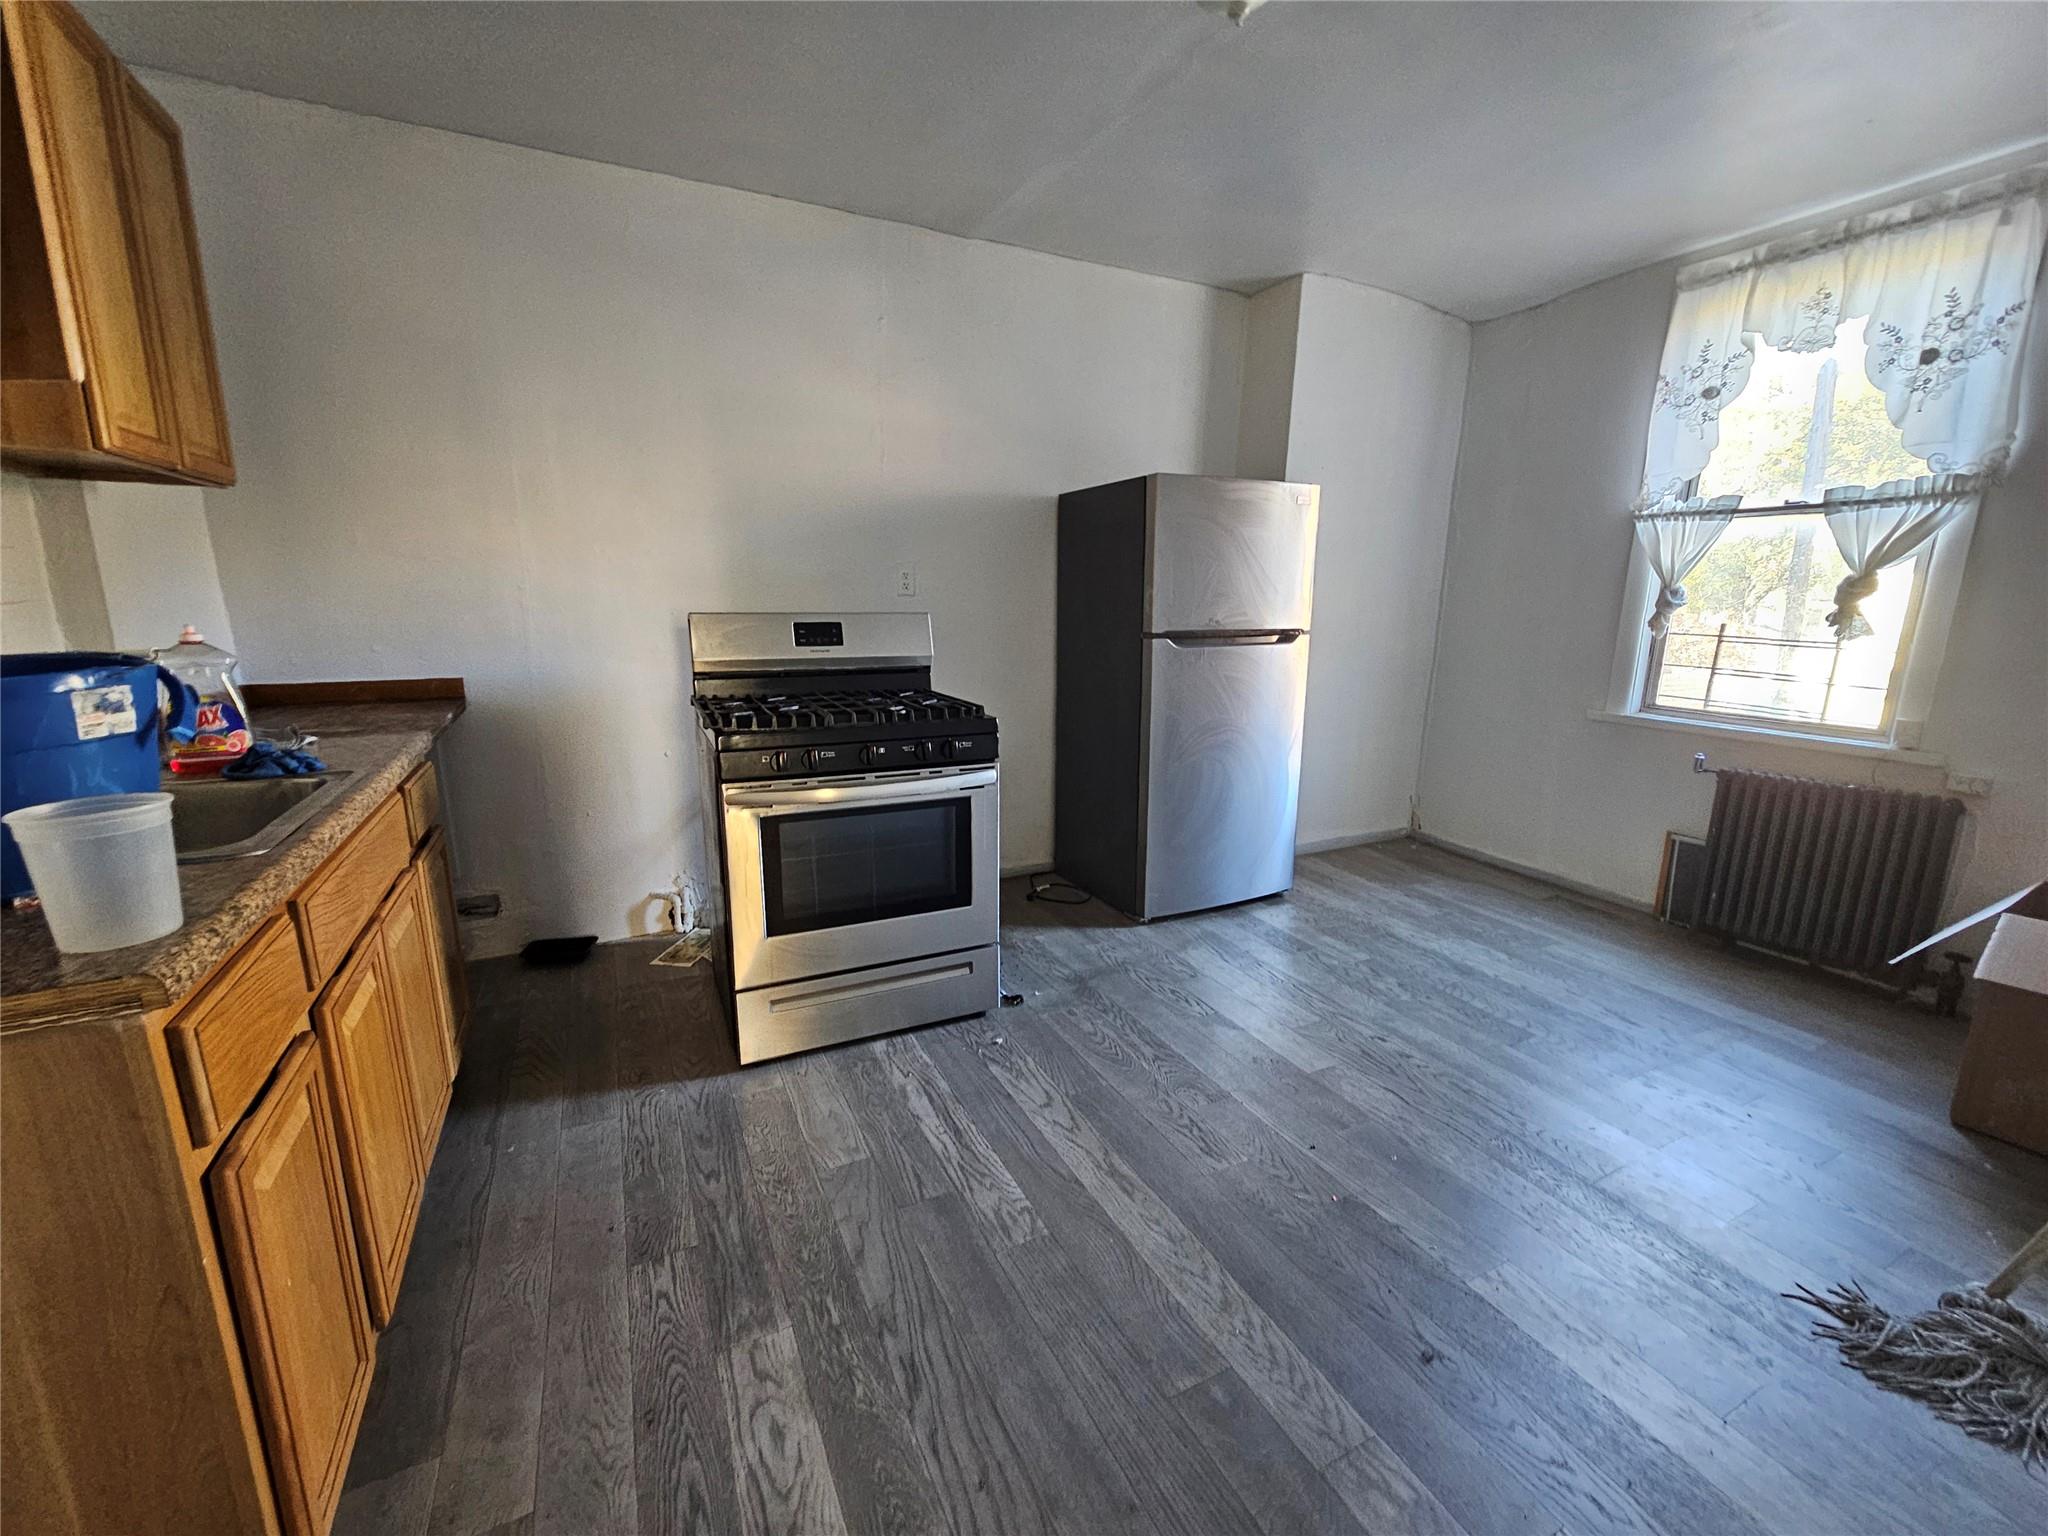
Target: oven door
(835, 877)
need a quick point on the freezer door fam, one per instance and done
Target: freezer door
(1223, 769)
(1229, 554)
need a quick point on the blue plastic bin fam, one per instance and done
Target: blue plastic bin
(76, 723)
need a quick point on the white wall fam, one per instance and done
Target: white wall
(1374, 418)
(1266, 401)
(72, 561)
(107, 565)
(509, 415)
(1539, 552)
(28, 611)
(156, 564)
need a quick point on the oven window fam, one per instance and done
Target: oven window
(829, 868)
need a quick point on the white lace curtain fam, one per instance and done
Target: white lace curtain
(1675, 542)
(1946, 282)
(1882, 526)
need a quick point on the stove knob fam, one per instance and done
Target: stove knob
(867, 754)
(946, 748)
(916, 751)
(779, 761)
(810, 759)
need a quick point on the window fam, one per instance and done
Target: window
(1827, 412)
(1752, 641)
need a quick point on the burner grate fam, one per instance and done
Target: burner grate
(810, 711)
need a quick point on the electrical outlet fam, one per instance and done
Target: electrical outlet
(906, 580)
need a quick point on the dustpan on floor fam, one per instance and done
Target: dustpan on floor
(1977, 1360)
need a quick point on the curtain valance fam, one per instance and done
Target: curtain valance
(1945, 281)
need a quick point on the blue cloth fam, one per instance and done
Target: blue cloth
(268, 760)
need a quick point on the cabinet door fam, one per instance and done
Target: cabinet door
(406, 931)
(69, 89)
(357, 1021)
(440, 887)
(290, 1246)
(170, 256)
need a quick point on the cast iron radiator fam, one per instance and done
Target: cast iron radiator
(1845, 875)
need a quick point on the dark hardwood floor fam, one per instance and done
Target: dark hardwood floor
(1426, 1198)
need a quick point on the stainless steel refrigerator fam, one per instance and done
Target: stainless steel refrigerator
(1183, 665)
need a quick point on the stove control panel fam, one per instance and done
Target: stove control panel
(894, 754)
(865, 757)
(816, 634)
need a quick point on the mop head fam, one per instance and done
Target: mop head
(1979, 1362)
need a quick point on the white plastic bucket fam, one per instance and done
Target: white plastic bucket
(105, 868)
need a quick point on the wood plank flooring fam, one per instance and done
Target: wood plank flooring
(1426, 1198)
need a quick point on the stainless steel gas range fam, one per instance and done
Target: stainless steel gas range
(855, 813)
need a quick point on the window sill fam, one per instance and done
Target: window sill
(1837, 745)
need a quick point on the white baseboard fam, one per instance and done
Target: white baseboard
(1348, 840)
(1529, 871)
(1314, 845)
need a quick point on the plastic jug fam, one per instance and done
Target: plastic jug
(106, 868)
(80, 723)
(222, 732)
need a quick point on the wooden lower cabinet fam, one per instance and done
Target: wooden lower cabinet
(440, 888)
(226, 1043)
(345, 893)
(189, 1305)
(357, 1020)
(290, 1249)
(412, 961)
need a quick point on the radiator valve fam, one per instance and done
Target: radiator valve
(1948, 986)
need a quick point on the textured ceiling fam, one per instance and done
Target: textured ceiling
(1479, 157)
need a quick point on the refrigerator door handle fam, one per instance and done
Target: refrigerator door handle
(1234, 637)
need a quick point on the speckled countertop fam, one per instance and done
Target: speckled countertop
(224, 902)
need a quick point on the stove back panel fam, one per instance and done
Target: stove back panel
(738, 685)
(727, 644)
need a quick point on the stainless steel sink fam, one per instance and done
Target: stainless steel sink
(239, 818)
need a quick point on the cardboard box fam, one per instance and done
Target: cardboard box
(2002, 1089)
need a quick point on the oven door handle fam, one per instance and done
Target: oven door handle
(860, 794)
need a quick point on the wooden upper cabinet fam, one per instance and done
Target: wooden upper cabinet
(170, 247)
(66, 87)
(358, 1024)
(108, 369)
(290, 1248)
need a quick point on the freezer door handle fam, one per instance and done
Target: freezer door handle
(1235, 637)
